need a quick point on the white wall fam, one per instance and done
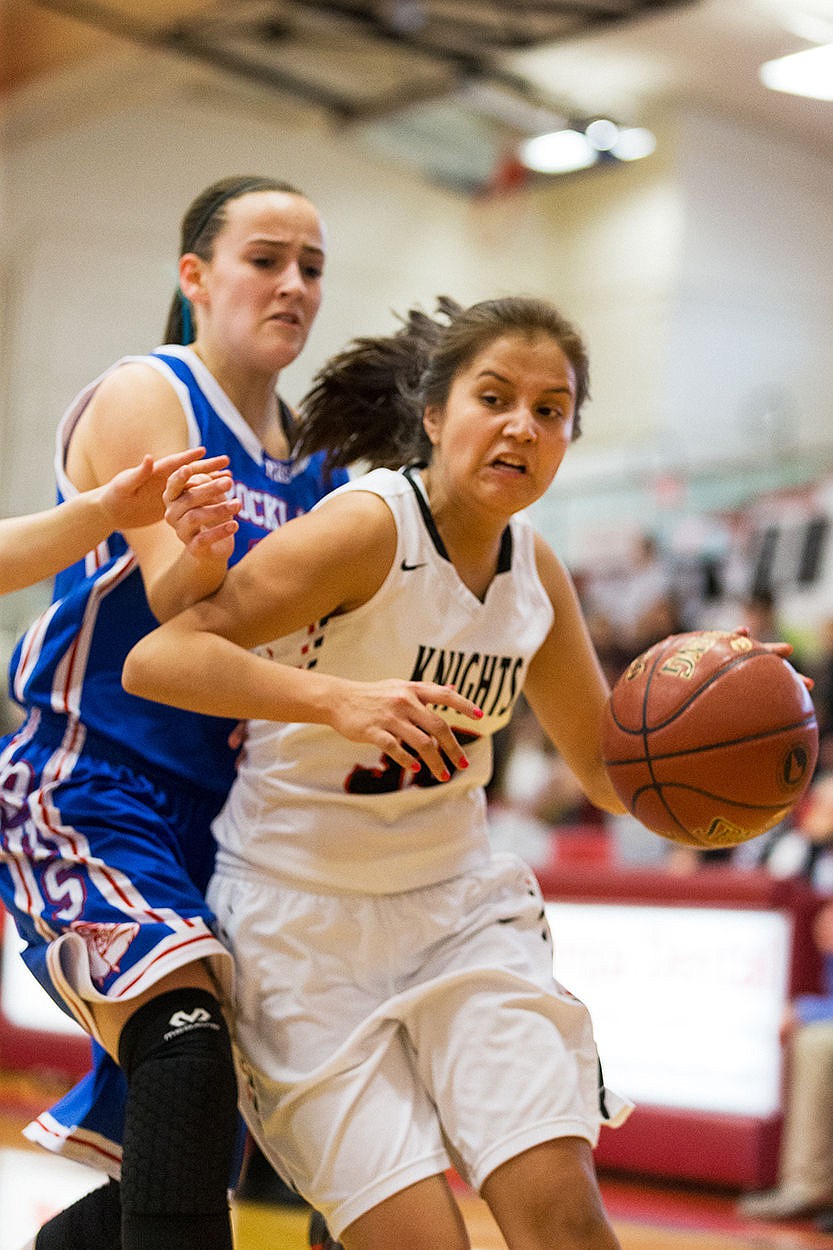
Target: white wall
(719, 353)
(750, 366)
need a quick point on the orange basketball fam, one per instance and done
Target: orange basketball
(709, 739)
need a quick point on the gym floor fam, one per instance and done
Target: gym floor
(646, 1215)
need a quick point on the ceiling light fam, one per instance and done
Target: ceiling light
(633, 143)
(808, 73)
(603, 134)
(560, 152)
(807, 26)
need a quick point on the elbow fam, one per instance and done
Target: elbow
(610, 803)
(152, 669)
(603, 795)
(133, 672)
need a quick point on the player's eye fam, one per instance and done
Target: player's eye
(554, 412)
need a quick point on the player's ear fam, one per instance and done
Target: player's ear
(191, 269)
(432, 423)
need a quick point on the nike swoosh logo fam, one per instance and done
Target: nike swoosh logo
(406, 567)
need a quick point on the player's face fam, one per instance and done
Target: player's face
(507, 422)
(258, 295)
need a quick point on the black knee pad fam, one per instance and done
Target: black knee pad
(181, 1116)
(91, 1223)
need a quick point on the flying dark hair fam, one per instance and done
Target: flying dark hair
(366, 404)
(203, 221)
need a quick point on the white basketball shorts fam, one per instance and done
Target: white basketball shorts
(383, 1038)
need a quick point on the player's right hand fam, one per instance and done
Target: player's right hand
(399, 718)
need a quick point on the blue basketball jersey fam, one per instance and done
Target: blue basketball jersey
(106, 800)
(68, 664)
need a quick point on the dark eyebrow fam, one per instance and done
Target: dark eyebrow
(265, 241)
(549, 390)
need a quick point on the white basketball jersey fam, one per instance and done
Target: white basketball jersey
(319, 810)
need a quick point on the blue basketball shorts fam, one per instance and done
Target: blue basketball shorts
(103, 868)
(103, 864)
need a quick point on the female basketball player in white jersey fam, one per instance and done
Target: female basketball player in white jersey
(106, 800)
(395, 1005)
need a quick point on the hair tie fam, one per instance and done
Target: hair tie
(187, 320)
(242, 187)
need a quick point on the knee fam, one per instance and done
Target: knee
(178, 1025)
(548, 1196)
(181, 1117)
(569, 1221)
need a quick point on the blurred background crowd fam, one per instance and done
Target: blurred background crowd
(536, 806)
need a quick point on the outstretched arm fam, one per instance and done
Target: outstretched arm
(39, 545)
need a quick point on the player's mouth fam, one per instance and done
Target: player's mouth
(510, 463)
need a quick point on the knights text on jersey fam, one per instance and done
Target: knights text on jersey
(334, 814)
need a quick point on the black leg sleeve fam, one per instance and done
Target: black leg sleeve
(180, 1124)
(91, 1223)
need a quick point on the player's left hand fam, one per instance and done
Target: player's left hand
(199, 509)
(784, 649)
(134, 497)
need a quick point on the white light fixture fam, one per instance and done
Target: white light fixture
(808, 73)
(633, 143)
(571, 149)
(559, 152)
(603, 134)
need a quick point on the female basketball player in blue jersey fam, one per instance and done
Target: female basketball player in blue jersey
(106, 800)
(395, 1007)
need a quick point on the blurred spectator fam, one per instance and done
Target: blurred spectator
(759, 614)
(531, 791)
(634, 846)
(801, 846)
(633, 608)
(614, 655)
(646, 606)
(805, 1173)
(822, 673)
(660, 620)
(682, 860)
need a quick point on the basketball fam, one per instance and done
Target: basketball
(709, 739)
